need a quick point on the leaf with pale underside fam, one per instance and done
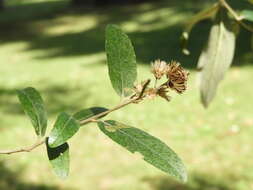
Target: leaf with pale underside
(153, 150)
(33, 106)
(217, 56)
(59, 159)
(64, 128)
(121, 60)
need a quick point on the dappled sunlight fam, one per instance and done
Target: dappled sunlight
(54, 31)
(71, 24)
(153, 20)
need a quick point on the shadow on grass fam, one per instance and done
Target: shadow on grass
(12, 180)
(196, 182)
(56, 98)
(162, 42)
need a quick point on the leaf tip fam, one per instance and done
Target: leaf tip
(62, 175)
(184, 176)
(205, 100)
(51, 141)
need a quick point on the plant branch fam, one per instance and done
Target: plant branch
(24, 149)
(235, 15)
(83, 122)
(129, 101)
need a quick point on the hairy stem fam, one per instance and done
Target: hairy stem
(83, 122)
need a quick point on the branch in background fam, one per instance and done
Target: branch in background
(235, 15)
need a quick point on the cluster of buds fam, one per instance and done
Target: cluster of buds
(176, 79)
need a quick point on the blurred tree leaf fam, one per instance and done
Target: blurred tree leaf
(204, 14)
(153, 150)
(247, 15)
(87, 113)
(217, 56)
(59, 159)
(33, 106)
(64, 128)
(121, 60)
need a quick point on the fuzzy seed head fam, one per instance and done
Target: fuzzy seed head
(159, 68)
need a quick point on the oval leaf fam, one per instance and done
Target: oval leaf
(153, 150)
(247, 15)
(64, 128)
(59, 159)
(33, 106)
(216, 58)
(87, 113)
(121, 60)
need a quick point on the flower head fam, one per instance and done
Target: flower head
(177, 77)
(159, 68)
(162, 92)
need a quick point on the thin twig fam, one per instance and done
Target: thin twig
(235, 15)
(24, 149)
(230, 9)
(129, 101)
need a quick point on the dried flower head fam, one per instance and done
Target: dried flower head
(162, 92)
(159, 68)
(177, 77)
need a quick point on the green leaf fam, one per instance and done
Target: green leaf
(121, 60)
(33, 106)
(64, 128)
(59, 159)
(247, 15)
(87, 113)
(205, 14)
(153, 150)
(217, 56)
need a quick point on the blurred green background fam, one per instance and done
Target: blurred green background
(59, 50)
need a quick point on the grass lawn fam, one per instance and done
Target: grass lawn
(60, 51)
